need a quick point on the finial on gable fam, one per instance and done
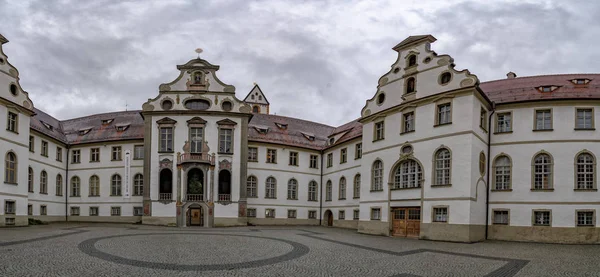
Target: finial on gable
(199, 50)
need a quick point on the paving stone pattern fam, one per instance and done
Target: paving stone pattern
(137, 250)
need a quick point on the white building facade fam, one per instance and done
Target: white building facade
(435, 155)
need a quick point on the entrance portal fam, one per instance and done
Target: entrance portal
(329, 217)
(406, 222)
(195, 217)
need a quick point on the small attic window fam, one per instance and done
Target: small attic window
(107, 121)
(260, 97)
(547, 88)
(83, 132)
(412, 60)
(48, 126)
(281, 126)
(331, 141)
(580, 81)
(308, 136)
(122, 127)
(261, 130)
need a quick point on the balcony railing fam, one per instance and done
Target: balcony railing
(194, 197)
(224, 197)
(196, 157)
(165, 196)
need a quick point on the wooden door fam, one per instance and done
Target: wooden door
(329, 218)
(196, 217)
(406, 222)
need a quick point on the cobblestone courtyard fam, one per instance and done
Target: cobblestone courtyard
(118, 250)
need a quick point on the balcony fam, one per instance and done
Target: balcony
(194, 197)
(196, 158)
(165, 196)
(224, 197)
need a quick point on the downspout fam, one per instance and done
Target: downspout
(489, 166)
(66, 182)
(321, 194)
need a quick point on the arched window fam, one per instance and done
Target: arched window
(342, 190)
(224, 185)
(407, 174)
(30, 180)
(292, 189)
(542, 171)
(59, 182)
(328, 191)
(502, 173)
(585, 171)
(75, 187)
(412, 60)
(271, 188)
(10, 168)
(312, 191)
(251, 183)
(377, 175)
(166, 185)
(255, 109)
(357, 186)
(115, 185)
(410, 85)
(43, 182)
(138, 184)
(95, 186)
(442, 167)
(482, 163)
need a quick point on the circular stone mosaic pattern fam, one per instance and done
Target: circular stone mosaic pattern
(193, 251)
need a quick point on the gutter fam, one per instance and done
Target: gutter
(489, 167)
(67, 184)
(321, 194)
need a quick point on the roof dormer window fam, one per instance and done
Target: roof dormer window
(84, 131)
(261, 129)
(107, 121)
(308, 136)
(580, 81)
(331, 141)
(121, 127)
(48, 126)
(281, 126)
(547, 88)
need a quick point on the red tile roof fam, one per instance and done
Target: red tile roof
(522, 89)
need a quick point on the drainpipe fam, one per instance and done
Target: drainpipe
(321, 194)
(489, 167)
(66, 182)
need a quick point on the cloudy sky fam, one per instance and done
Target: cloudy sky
(316, 60)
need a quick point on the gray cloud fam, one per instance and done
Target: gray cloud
(314, 60)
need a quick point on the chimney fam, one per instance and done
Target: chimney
(511, 75)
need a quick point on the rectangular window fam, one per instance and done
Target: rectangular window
(585, 119)
(379, 131)
(500, 218)
(29, 209)
(116, 153)
(343, 155)
(341, 215)
(166, 139)
(196, 139)
(330, 160)
(9, 207)
(76, 156)
(356, 214)
(44, 148)
(444, 114)
(93, 211)
(358, 151)
(59, 154)
(541, 218)
(314, 162)
(375, 213)
(95, 155)
(252, 154)
(74, 210)
(408, 122)
(43, 210)
(312, 214)
(483, 118)
(440, 214)
(9, 221)
(138, 152)
(291, 213)
(543, 120)
(251, 212)
(225, 141)
(504, 123)
(31, 144)
(138, 211)
(12, 122)
(115, 211)
(585, 218)
(272, 156)
(293, 158)
(270, 213)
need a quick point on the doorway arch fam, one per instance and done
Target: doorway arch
(194, 215)
(329, 218)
